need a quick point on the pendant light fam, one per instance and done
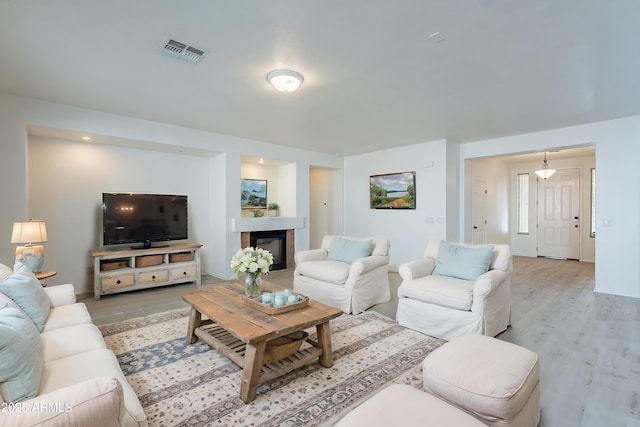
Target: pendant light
(545, 172)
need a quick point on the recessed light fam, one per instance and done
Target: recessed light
(86, 138)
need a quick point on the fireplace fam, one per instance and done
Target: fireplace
(274, 241)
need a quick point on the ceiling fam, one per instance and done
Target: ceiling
(373, 76)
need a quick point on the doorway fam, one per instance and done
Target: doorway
(325, 206)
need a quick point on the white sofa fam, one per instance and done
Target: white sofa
(348, 273)
(80, 381)
(446, 306)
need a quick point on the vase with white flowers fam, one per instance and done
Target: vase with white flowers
(253, 263)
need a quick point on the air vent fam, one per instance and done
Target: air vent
(183, 51)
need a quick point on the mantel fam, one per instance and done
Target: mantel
(266, 223)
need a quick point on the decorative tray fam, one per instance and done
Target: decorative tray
(257, 303)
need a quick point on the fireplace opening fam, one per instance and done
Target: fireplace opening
(274, 241)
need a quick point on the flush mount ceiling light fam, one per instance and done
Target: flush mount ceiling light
(285, 80)
(545, 172)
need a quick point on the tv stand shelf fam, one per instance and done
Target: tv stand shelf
(124, 270)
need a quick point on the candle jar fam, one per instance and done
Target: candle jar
(266, 298)
(279, 300)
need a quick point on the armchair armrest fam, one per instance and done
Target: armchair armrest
(488, 282)
(418, 268)
(61, 294)
(310, 255)
(365, 265)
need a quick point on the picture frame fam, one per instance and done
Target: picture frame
(253, 193)
(393, 190)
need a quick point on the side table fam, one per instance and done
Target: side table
(44, 275)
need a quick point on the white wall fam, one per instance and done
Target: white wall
(407, 230)
(287, 191)
(617, 246)
(65, 185)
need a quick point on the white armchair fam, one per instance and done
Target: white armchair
(346, 272)
(451, 302)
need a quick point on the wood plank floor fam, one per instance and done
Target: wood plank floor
(588, 343)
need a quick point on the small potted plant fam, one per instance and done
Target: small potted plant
(273, 209)
(257, 213)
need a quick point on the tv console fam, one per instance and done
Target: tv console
(124, 270)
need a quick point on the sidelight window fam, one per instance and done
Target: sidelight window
(522, 196)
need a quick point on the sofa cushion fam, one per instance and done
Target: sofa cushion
(440, 290)
(20, 355)
(327, 271)
(84, 366)
(67, 315)
(23, 287)
(463, 262)
(96, 402)
(348, 250)
(71, 340)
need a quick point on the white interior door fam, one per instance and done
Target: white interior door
(320, 198)
(559, 215)
(479, 212)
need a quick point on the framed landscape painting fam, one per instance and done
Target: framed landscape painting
(393, 191)
(253, 193)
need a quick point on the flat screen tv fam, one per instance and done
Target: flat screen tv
(143, 218)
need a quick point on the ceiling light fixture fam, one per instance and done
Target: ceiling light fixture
(285, 80)
(545, 172)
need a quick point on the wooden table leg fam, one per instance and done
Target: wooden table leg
(324, 342)
(194, 321)
(253, 356)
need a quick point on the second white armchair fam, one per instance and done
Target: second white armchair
(457, 289)
(346, 272)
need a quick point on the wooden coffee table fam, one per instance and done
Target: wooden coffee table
(241, 333)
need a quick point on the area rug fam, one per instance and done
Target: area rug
(193, 385)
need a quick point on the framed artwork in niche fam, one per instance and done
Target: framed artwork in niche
(393, 191)
(253, 193)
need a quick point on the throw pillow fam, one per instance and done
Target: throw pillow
(463, 262)
(348, 250)
(21, 357)
(23, 287)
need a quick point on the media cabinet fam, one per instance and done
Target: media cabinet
(124, 270)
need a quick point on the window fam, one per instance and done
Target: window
(522, 185)
(593, 203)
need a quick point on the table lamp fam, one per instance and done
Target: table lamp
(29, 232)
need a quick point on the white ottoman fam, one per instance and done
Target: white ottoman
(494, 380)
(403, 405)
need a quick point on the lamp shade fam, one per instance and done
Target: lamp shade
(285, 80)
(545, 172)
(29, 232)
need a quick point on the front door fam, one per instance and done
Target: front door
(559, 215)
